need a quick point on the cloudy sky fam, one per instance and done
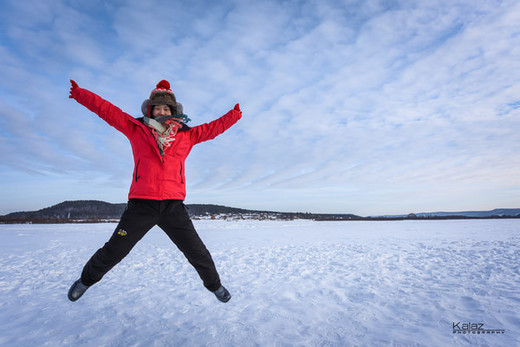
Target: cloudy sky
(367, 107)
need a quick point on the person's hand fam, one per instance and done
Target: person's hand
(74, 85)
(237, 108)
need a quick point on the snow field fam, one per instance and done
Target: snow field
(298, 283)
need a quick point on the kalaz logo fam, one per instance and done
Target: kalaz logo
(474, 328)
(468, 326)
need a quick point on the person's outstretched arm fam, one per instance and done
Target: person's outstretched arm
(113, 115)
(209, 131)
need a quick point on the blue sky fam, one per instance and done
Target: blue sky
(365, 107)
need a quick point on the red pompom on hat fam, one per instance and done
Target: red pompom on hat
(163, 86)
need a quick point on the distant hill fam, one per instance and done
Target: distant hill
(78, 209)
(499, 212)
(496, 212)
(100, 211)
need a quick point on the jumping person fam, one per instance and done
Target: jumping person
(160, 142)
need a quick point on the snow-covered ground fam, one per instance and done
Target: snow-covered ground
(298, 283)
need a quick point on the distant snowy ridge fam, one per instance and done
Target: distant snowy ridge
(496, 212)
(499, 212)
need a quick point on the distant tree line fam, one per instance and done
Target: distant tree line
(92, 211)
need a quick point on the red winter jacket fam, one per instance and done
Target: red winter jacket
(155, 177)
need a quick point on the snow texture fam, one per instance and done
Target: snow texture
(298, 283)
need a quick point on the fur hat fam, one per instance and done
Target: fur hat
(161, 95)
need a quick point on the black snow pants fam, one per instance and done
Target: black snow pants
(138, 218)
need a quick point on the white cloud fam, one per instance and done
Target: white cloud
(351, 104)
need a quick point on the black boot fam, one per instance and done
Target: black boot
(77, 290)
(222, 294)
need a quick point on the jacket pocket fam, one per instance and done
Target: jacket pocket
(182, 173)
(136, 177)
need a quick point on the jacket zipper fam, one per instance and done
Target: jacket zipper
(182, 178)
